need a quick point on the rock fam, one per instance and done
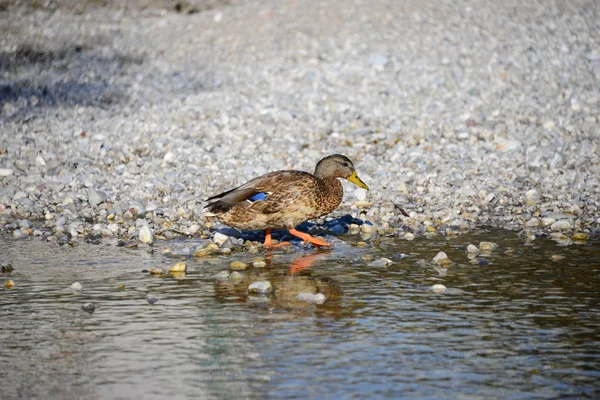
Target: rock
(9, 284)
(238, 265)
(151, 299)
(260, 287)
(6, 268)
(360, 194)
(479, 261)
(156, 271)
(219, 238)
(441, 258)
(4, 172)
(259, 263)
(95, 197)
(548, 221)
(236, 277)
(438, 288)
(533, 222)
(409, 236)
(76, 286)
(88, 308)
(556, 257)
(145, 234)
(221, 276)
(208, 250)
(487, 247)
(382, 262)
(562, 225)
(179, 267)
(579, 236)
(362, 204)
(472, 249)
(318, 298)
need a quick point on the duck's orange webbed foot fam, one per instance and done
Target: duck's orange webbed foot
(269, 242)
(308, 238)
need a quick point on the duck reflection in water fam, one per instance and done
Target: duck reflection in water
(297, 277)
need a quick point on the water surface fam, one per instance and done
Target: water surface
(521, 326)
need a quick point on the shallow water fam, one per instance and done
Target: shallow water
(524, 327)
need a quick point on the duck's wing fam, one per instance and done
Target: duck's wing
(269, 193)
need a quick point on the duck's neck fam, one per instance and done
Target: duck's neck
(333, 193)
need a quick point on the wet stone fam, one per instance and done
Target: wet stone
(487, 247)
(179, 267)
(156, 271)
(260, 287)
(441, 258)
(152, 299)
(438, 288)
(238, 265)
(259, 263)
(88, 308)
(557, 257)
(314, 298)
(472, 249)
(382, 262)
(145, 235)
(221, 276)
(76, 286)
(9, 284)
(561, 225)
(236, 277)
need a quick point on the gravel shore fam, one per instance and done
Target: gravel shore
(461, 113)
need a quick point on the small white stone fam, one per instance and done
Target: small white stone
(360, 194)
(382, 262)
(5, 172)
(487, 247)
(438, 288)
(318, 298)
(40, 160)
(471, 248)
(548, 221)
(76, 286)
(441, 258)
(145, 235)
(219, 238)
(260, 287)
(409, 236)
(533, 222)
(561, 225)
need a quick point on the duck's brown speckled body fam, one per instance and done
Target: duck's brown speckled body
(285, 199)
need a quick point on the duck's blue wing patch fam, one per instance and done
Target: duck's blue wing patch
(258, 196)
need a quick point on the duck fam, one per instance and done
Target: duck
(284, 199)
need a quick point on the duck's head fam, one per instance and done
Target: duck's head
(338, 166)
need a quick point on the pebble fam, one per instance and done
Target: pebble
(409, 236)
(260, 287)
(95, 197)
(219, 238)
(76, 286)
(318, 298)
(259, 263)
(236, 277)
(438, 288)
(580, 236)
(9, 284)
(561, 225)
(238, 265)
(487, 247)
(382, 262)
(472, 249)
(179, 267)
(152, 299)
(533, 222)
(208, 250)
(441, 258)
(145, 235)
(221, 276)
(4, 172)
(556, 257)
(88, 308)
(6, 268)
(156, 271)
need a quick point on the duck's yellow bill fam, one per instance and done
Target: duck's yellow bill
(357, 181)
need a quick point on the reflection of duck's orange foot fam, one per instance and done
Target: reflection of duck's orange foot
(308, 238)
(274, 246)
(269, 241)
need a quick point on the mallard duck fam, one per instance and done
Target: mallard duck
(285, 199)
